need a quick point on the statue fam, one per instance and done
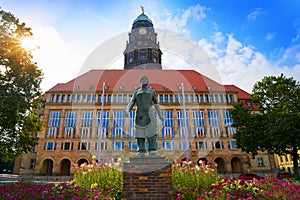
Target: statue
(145, 126)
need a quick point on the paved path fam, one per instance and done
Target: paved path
(15, 178)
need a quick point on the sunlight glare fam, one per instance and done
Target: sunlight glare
(28, 43)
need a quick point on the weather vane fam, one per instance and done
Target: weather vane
(142, 9)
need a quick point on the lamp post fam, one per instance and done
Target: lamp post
(101, 121)
(185, 124)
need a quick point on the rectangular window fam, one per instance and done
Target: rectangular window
(167, 132)
(201, 145)
(216, 100)
(118, 146)
(67, 146)
(115, 98)
(54, 118)
(213, 118)
(108, 98)
(201, 100)
(199, 132)
(119, 118)
(221, 98)
(133, 146)
(168, 146)
(125, 98)
(102, 131)
(53, 98)
(89, 98)
(50, 146)
(229, 98)
(83, 146)
(161, 98)
(183, 145)
(131, 132)
(198, 118)
(169, 120)
(166, 98)
(85, 132)
(176, 98)
(105, 121)
(215, 131)
(211, 98)
(84, 98)
(132, 124)
(99, 98)
(228, 121)
(118, 132)
(87, 118)
(206, 98)
(71, 118)
(260, 162)
(182, 131)
(232, 145)
(68, 132)
(52, 132)
(230, 131)
(118, 124)
(120, 98)
(171, 98)
(191, 98)
(69, 98)
(63, 98)
(57, 98)
(182, 120)
(103, 146)
(217, 145)
(78, 98)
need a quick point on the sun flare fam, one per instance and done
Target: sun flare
(28, 43)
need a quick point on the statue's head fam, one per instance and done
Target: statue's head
(144, 80)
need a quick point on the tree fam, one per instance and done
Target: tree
(20, 90)
(276, 128)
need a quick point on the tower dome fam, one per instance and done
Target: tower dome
(142, 21)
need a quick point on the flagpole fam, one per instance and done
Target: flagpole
(101, 121)
(185, 124)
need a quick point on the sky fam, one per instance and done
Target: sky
(244, 39)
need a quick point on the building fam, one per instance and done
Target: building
(85, 116)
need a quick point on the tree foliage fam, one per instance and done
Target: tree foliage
(20, 90)
(275, 129)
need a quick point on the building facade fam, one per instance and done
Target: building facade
(85, 116)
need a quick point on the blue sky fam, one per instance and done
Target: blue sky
(245, 39)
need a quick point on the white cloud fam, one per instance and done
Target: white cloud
(177, 22)
(270, 36)
(297, 27)
(255, 14)
(243, 65)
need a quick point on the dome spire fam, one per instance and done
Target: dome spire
(143, 11)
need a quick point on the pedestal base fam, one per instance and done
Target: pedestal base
(147, 177)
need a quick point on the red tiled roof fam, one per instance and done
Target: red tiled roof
(160, 80)
(241, 93)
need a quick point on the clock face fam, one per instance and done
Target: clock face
(142, 31)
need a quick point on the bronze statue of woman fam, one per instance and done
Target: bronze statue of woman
(145, 125)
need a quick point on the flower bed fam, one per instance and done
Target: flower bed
(35, 191)
(190, 181)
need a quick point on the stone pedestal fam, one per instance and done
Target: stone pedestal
(148, 177)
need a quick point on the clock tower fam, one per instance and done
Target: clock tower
(142, 50)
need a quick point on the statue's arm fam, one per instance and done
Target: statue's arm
(157, 108)
(130, 105)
